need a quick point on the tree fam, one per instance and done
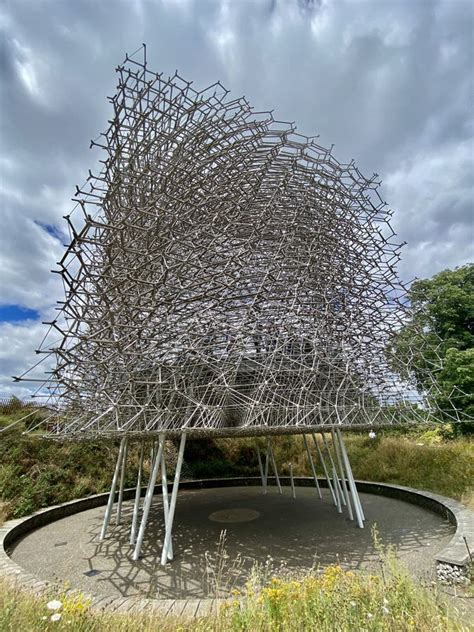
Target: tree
(457, 379)
(440, 326)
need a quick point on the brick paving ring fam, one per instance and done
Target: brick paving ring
(61, 544)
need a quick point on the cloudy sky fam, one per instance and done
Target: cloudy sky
(389, 82)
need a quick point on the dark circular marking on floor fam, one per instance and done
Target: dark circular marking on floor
(234, 515)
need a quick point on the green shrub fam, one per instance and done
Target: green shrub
(10, 481)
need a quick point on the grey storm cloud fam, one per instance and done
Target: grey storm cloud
(389, 83)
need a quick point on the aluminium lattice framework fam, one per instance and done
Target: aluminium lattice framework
(225, 275)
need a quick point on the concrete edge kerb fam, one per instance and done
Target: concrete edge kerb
(454, 556)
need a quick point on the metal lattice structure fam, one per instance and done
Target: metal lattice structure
(226, 275)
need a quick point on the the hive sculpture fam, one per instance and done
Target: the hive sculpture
(225, 276)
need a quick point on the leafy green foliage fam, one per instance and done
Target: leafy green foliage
(457, 379)
(441, 326)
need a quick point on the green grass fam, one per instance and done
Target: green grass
(446, 468)
(331, 600)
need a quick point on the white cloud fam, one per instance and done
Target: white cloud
(440, 182)
(30, 67)
(27, 256)
(18, 343)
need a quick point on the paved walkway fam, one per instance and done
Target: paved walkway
(295, 533)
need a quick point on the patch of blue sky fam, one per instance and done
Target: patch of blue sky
(52, 230)
(16, 314)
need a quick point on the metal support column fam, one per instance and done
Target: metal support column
(267, 466)
(164, 487)
(138, 493)
(110, 503)
(262, 473)
(174, 495)
(352, 485)
(272, 458)
(338, 493)
(311, 462)
(336, 481)
(148, 498)
(292, 481)
(321, 458)
(341, 471)
(118, 517)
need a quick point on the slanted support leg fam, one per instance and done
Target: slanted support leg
(110, 503)
(164, 487)
(311, 462)
(267, 466)
(341, 471)
(272, 458)
(118, 517)
(148, 498)
(292, 481)
(262, 473)
(323, 463)
(352, 486)
(337, 490)
(138, 493)
(336, 481)
(174, 495)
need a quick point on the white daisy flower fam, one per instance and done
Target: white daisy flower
(55, 604)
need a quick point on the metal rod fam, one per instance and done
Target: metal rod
(260, 467)
(357, 497)
(292, 481)
(147, 503)
(272, 458)
(118, 517)
(138, 493)
(341, 470)
(338, 495)
(174, 495)
(267, 466)
(321, 458)
(164, 488)
(313, 469)
(336, 481)
(110, 503)
(352, 485)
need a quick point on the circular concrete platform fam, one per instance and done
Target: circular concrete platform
(296, 533)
